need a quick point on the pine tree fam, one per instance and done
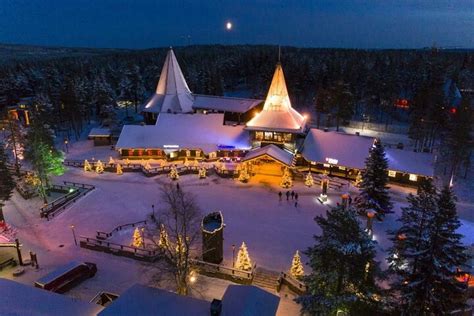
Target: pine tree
(99, 167)
(243, 259)
(119, 169)
(87, 166)
(286, 180)
(244, 173)
(426, 258)
(15, 140)
(309, 181)
(7, 183)
(174, 175)
(137, 238)
(296, 269)
(344, 271)
(374, 191)
(202, 173)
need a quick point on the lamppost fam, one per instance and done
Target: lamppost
(233, 255)
(66, 142)
(370, 218)
(73, 234)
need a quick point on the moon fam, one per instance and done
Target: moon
(228, 26)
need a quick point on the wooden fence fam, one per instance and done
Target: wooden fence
(103, 235)
(220, 271)
(294, 284)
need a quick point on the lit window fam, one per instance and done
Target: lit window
(188, 153)
(198, 153)
(259, 135)
(287, 137)
(326, 165)
(268, 135)
(342, 168)
(212, 155)
(174, 154)
(413, 177)
(393, 174)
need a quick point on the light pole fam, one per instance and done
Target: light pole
(233, 255)
(66, 142)
(370, 218)
(73, 234)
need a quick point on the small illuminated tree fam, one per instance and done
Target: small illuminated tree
(309, 181)
(244, 173)
(99, 167)
(186, 161)
(119, 169)
(202, 173)
(358, 179)
(243, 258)
(127, 161)
(163, 240)
(137, 238)
(111, 160)
(174, 173)
(87, 166)
(286, 181)
(296, 269)
(147, 165)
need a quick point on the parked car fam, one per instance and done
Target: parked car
(67, 276)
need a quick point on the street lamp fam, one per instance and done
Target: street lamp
(370, 218)
(233, 255)
(73, 234)
(66, 142)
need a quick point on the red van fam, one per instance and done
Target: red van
(66, 277)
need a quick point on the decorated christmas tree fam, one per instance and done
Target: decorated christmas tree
(243, 259)
(87, 166)
(111, 160)
(309, 181)
(99, 167)
(163, 242)
(137, 238)
(147, 165)
(186, 162)
(119, 169)
(358, 179)
(202, 173)
(127, 161)
(174, 173)
(244, 173)
(286, 181)
(296, 269)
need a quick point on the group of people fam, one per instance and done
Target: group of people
(292, 194)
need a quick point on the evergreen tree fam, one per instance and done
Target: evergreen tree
(137, 238)
(426, 254)
(15, 140)
(344, 271)
(7, 184)
(296, 269)
(243, 259)
(374, 191)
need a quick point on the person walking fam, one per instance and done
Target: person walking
(296, 203)
(279, 196)
(177, 186)
(292, 195)
(296, 196)
(287, 195)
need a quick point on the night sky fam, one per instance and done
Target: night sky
(153, 23)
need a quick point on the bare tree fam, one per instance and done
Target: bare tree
(177, 232)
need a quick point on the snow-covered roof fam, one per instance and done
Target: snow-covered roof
(348, 150)
(172, 93)
(410, 161)
(20, 299)
(226, 104)
(246, 300)
(277, 113)
(99, 132)
(143, 300)
(283, 156)
(192, 131)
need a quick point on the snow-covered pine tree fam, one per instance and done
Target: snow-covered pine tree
(7, 184)
(296, 269)
(373, 188)
(243, 259)
(309, 181)
(344, 271)
(137, 238)
(15, 140)
(426, 258)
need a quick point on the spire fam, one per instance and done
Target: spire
(172, 92)
(277, 97)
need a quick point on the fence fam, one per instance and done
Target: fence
(294, 285)
(216, 270)
(103, 235)
(119, 250)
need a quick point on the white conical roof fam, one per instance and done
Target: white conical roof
(277, 113)
(172, 93)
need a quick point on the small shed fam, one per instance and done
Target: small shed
(100, 136)
(212, 227)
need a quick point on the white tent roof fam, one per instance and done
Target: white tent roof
(172, 93)
(191, 131)
(277, 113)
(283, 156)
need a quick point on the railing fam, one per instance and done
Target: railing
(103, 235)
(294, 284)
(223, 270)
(118, 249)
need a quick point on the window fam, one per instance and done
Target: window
(258, 135)
(413, 177)
(287, 137)
(174, 154)
(392, 173)
(188, 153)
(326, 165)
(212, 155)
(342, 168)
(268, 136)
(198, 153)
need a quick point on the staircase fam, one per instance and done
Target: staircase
(266, 279)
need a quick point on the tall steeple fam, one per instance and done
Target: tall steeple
(277, 113)
(172, 93)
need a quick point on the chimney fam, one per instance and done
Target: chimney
(216, 307)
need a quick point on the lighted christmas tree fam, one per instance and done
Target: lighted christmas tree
(309, 181)
(286, 181)
(163, 242)
(119, 169)
(244, 173)
(137, 238)
(87, 166)
(196, 163)
(358, 179)
(243, 259)
(202, 173)
(296, 269)
(111, 160)
(147, 165)
(180, 246)
(127, 161)
(99, 167)
(186, 162)
(174, 173)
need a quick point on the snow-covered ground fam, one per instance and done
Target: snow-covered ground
(273, 230)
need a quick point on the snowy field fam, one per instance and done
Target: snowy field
(273, 230)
